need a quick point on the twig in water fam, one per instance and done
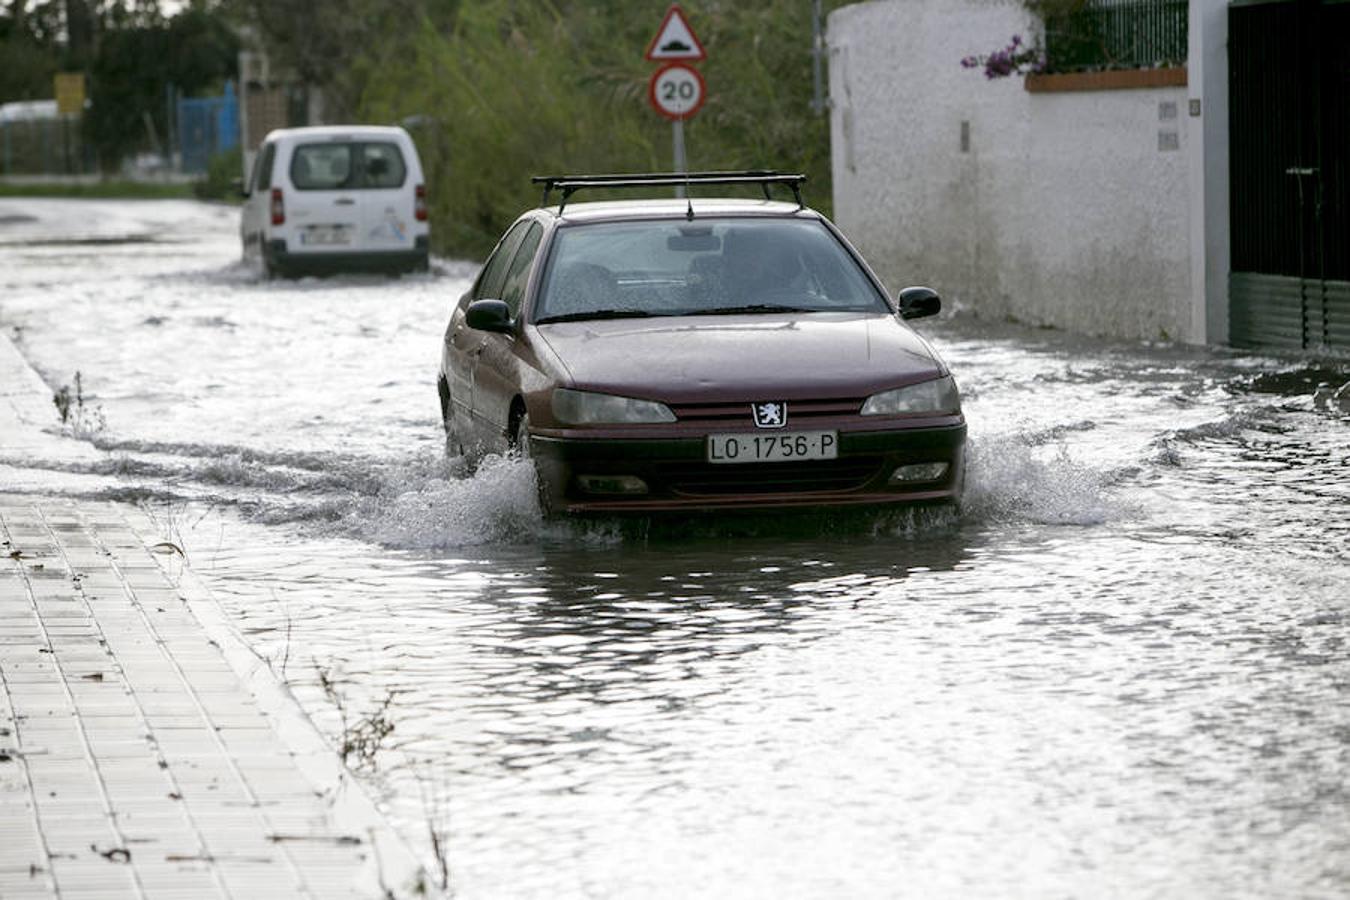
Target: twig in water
(363, 737)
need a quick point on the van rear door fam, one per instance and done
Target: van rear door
(388, 204)
(325, 208)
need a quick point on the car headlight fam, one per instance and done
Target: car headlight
(937, 396)
(589, 408)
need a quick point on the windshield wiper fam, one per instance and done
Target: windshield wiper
(749, 308)
(597, 314)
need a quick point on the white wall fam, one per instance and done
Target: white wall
(1069, 209)
(1207, 71)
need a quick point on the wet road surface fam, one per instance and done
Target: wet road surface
(1123, 671)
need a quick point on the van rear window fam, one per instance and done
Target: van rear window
(346, 166)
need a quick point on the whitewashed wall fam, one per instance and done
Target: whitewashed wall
(1070, 210)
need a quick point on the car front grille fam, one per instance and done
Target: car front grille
(820, 476)
(800, 412)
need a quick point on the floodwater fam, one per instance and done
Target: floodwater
(1122, 672)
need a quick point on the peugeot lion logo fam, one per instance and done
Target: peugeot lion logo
(769, 415)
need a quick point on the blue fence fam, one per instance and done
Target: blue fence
(206, 126)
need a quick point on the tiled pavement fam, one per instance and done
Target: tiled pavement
(134, 760)
(144, 750)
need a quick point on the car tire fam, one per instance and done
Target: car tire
(443, 390)
(520, 436)
(520, 447)
(453, 445)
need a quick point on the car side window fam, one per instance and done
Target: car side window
(269, 155)
(513, 291)
(489, 284)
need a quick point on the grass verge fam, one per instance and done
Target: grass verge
(112, 190)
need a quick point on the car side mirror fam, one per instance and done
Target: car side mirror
(917, 302)
(489, 315)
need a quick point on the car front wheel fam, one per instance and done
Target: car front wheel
(443, 389)
(453, 446)
(520, 447)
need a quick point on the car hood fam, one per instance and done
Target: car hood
(789, 356)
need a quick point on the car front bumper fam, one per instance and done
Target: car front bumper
(678, 476)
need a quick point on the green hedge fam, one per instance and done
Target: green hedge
(515, 88)
(111, 189)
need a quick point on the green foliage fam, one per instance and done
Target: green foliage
(506, 89)
(1051, 8)
(130, 76)
(318, 44)
(27, 71)
(222, 171)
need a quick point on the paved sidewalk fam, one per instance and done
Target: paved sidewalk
(145, 751)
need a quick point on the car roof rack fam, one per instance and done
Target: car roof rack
(570, 184)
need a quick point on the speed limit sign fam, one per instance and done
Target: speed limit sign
(677, 91)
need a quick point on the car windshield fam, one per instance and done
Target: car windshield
(701, 267)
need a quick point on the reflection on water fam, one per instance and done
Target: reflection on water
(1122, 671)
(1020, 711)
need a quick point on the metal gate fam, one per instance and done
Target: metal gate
(207, 126)
(1289, 157)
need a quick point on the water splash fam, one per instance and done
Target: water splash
(1014, 478)
(429, 501)
(424, 507)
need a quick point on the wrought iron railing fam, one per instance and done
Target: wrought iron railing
(1117, 34)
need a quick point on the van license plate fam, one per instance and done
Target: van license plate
(325, 235)
(783, 446)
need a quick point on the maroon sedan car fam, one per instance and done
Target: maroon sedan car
(700, 354)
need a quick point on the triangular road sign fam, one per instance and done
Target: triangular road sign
(675, 40)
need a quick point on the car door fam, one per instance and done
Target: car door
(464, 344)
(497, 368)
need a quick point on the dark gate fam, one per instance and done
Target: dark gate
(1289, 146)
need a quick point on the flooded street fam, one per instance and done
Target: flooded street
(1123, 671)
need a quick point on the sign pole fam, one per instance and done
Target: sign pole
(676, 91)
(677, 134)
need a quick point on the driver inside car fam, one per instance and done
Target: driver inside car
(761, 268)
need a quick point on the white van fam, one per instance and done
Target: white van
(336, 198)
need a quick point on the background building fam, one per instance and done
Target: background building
(1122, 191)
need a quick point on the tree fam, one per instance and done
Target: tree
(134, 68)
(30, 50)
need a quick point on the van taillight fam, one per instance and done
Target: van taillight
(420, 207)
(278, 208)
